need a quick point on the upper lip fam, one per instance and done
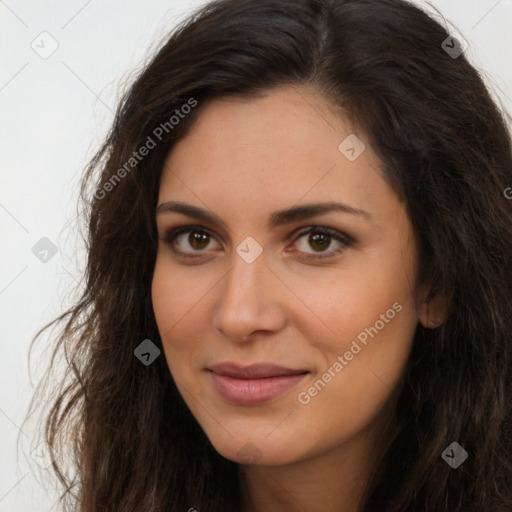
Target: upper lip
(254, 371)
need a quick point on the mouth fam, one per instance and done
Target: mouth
(255, 384)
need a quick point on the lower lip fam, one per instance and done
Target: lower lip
(253, 391)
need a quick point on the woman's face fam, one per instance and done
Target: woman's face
(284, 340)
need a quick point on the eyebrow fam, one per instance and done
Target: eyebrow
(278, 218)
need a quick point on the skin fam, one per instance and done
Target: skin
(243, 159)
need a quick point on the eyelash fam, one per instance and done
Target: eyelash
(344, 239)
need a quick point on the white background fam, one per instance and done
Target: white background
(54, 112)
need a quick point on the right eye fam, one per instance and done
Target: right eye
(196, 237)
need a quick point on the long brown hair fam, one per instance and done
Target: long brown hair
(130, 442)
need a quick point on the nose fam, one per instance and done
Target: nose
(249, 301)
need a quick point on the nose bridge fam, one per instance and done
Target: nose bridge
(246, 302)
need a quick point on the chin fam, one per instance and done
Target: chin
(250, 450)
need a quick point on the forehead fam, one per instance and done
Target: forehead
(270, 152)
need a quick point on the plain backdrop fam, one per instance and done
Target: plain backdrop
(63, 65)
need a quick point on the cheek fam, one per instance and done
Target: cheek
(357, 302)
(175, 302)
(372, 319)
(347, 396)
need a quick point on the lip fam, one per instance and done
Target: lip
(254, 384)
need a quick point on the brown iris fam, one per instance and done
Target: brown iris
(319, 239)
(198, 239)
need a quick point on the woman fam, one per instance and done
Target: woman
(299, 278)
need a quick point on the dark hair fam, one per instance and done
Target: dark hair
(445, 147)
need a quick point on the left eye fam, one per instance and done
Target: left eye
(319, 238)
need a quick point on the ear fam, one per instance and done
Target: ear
(432, 310)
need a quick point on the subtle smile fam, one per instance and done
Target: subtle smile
(255, 384)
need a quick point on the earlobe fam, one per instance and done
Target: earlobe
(432, 313)
(432, 307)
(423, 315)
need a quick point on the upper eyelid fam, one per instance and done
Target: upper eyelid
(296, 231)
